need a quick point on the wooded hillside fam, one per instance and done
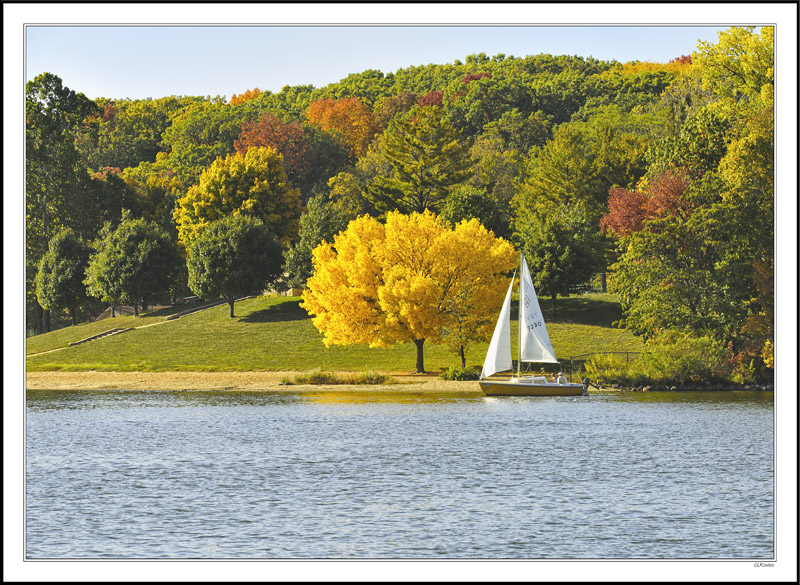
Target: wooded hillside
(660, 174)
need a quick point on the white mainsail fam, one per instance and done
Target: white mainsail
(498, 358)
(534, 342)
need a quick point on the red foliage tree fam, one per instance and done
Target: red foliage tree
(626, 212)
(103, 173)
(109, 114)
(474, 76)
(683, 60)
(433, 98)
(665, 195)
(288, 139)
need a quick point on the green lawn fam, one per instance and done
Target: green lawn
(274, 333)
(63, 337)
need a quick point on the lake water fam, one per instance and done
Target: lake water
(191, 475)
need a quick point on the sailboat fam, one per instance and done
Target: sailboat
(534, 346)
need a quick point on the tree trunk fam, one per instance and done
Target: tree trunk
(554, 305)
(463, 357)
(113, 308)
(136, 308)
(420, 358)
(72, 313)
(231, 300)
(603, 282)
(47, 320)
(39, 319)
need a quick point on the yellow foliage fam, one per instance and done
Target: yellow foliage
(768, 355)
(253, 183)
(739, 69)
(402, 281)
(675, 66)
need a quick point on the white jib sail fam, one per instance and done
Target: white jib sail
(534, 341)
(498, 358)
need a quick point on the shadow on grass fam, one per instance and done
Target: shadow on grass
(584, 310)
(289, 311)
(579, 309)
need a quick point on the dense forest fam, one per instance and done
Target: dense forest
(657, 174)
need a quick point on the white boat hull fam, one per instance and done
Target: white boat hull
(529, 387)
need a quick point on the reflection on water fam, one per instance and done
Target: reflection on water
(337, 474)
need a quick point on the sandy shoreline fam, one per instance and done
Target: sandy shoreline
(230, 381)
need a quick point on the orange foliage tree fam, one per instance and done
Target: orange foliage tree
(348, 117)
(238, 100)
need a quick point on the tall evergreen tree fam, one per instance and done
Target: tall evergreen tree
(428, 156)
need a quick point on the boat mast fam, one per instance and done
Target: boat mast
(519, 320)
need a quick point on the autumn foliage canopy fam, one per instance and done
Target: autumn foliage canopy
(385, 284)
(349, 117)
(662, 197)
(288, 139)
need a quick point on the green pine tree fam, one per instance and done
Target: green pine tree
(428, 156)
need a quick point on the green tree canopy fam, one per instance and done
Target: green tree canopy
(232, 257)
(670, 277)
(740, 68)
(427, 156)
(709, 269)
(466, 202)
(129, 132)
(58, 193)
(59, 280)
(319, 223)
(578, 167)
(132, 262)
(563, 250)
(201, 133)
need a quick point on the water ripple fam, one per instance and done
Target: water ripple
(196, 476)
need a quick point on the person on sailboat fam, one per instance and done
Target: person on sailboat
(561, 378)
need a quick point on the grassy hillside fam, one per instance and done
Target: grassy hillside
(274, 333)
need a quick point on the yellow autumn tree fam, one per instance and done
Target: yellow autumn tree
(412, 279)
(253, 184)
